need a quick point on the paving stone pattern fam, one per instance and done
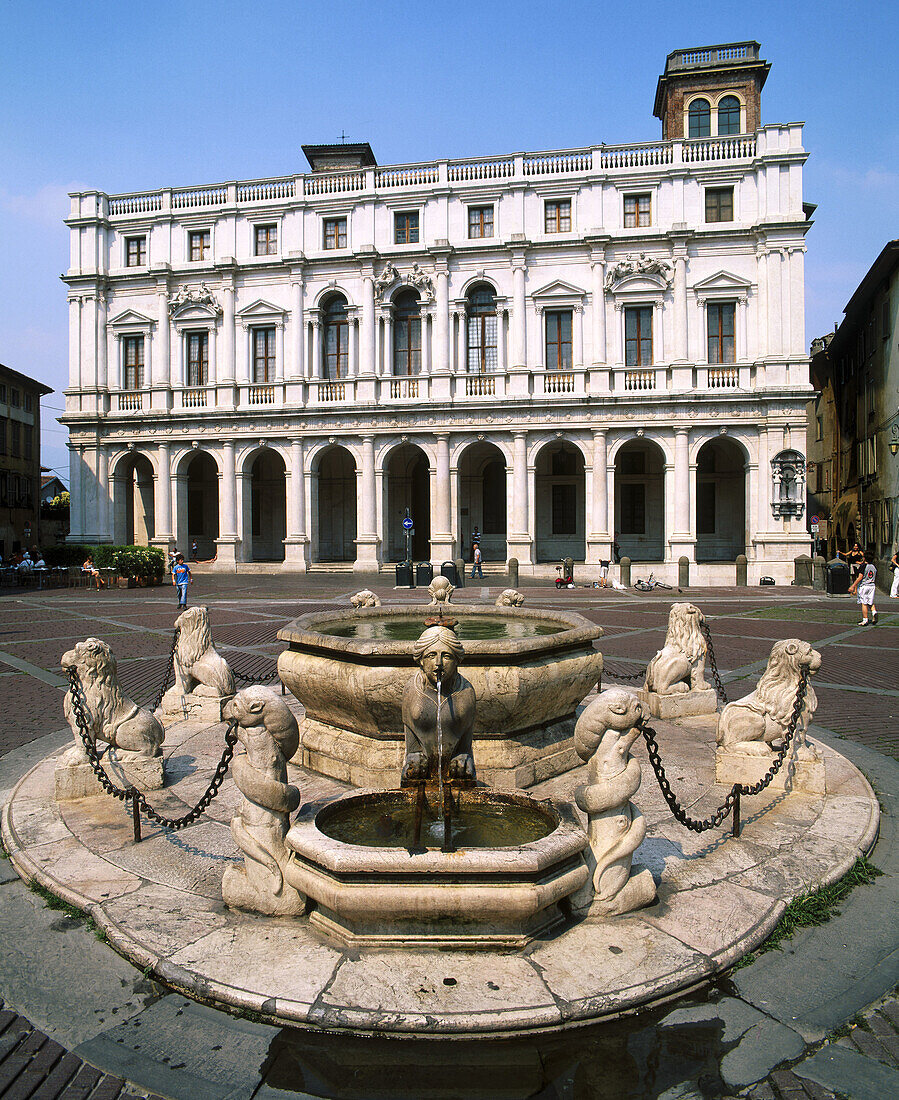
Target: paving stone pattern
(858, 691)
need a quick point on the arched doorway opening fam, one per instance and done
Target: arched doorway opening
(335, 512)
(408, 485)
(640, 501)
(560, 503)
(482, 500)
(133, 504)
(202, 506)
(720, 501)
(265, 506)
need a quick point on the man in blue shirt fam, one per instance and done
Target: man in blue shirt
(181, 578)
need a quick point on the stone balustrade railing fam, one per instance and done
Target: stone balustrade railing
(556, 163)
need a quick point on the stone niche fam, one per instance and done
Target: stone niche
(527, 686)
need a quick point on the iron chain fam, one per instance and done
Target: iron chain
(738, 789)
(719, 686)
(132, 794)
(168, 672)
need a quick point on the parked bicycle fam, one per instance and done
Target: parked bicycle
(649, 585)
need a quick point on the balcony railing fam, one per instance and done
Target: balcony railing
(555, 163)
(130, 402)
(723, 378)
(404, 389)
(640, 379)
(194, 399)
(262, 395)
(480, 385)
(559, 382)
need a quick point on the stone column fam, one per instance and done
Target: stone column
(461, 343)
(352, 364)
(679, 537)
(501, 315)
(226, 543)
(443, 542)
(598, 305)
(297, 357)
(681, 324)
(367, 521)
(367, 336)
(76, 494)
(161, 353)
(519, 321)
(163, 502)
(519, 539)
(577, 337)
(441, 325)
(103, 485)
(228, 366)
(425, 344)
(599, 540)
(75, 372)
(296, 542)
(316, 369)
(102, 379)
(387, 353)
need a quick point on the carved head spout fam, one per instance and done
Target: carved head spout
(437, 653)
(441, 590)
(607, 728)
(261, 712)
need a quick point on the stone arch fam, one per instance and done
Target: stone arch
(719, 500)
(198, 503)
(333, 492)
(640, 499)
(407, 485)
(483, 494)
(133, 476)
(263, 477)
(560, 501)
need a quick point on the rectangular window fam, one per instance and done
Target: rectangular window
(564, 509)
(633, 508)
(819, 428)
(637, 211)
(480, 222)
(3, 393)
(14, 448)
(719, 204)
(885, 320)
(482, 343)
(406, 344)
(335, 233)
(405, 227)
(638, 336)
(558, 340)
(133, 362)
(29, 441)
(197, 358)
(14, 398)
(200, 242)
(3, 424)
(29, 403)
(557, 216)
(135, 251)
(721, 345)
(266, 240)
(263, 355)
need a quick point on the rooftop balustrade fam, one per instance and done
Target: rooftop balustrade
(556, 164)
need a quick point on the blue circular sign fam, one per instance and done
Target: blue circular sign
(408, 523)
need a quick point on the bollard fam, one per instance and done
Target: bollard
(819, 568)
(460, 569)
(802, 571)
(513, 572)
(624, 567)
(683, 572)
(742, 571)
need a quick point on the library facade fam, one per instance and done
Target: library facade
(566, 350)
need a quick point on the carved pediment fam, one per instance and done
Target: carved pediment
(640, 284)
(722, 284)
(131, 319)
(559, 289)
(261, 311)
(657, 273)
(195, 303)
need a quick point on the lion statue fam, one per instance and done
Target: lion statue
(680, 665)
(365, 598)
(509, 597)
(269, 736)
(750, 724)
(132, 730)
(603, 737)
(199, 670)
(441, 591)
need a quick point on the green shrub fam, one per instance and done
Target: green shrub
(144, 562)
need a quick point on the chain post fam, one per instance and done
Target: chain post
(736, 821)
(135, 814)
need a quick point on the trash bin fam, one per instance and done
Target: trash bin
(836, 577)
(404, 575)
(424, 573)
(448, 569)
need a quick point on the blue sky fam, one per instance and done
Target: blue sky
(125, 96)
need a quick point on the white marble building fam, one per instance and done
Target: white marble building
(552, 347)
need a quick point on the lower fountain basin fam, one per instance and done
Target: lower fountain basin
(495, 895)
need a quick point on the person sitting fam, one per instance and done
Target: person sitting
(93, 573)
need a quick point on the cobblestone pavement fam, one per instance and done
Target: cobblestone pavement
(857, 687)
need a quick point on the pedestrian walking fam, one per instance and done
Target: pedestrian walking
(476, 570)
(894, 565)
(863, 586)
(181, 578)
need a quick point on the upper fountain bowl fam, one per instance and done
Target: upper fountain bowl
(528, 680)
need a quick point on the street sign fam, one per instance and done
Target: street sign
(814, 519)
(814, 528)
(408, 523)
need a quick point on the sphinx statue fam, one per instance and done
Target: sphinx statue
(437, 653)
(603, 737)
(268, 736)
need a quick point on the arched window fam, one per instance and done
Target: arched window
(406, 333)
(729, 115)
(700, 116)
(336, 342)
(481, 330)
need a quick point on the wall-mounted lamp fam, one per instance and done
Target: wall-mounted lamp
(894, 446)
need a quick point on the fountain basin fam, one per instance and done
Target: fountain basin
(527, 690)
(475, 897)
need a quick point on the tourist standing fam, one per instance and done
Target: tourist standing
(855, 560)
(476, 570)
(181, 578)
(863, 586)
(894, 565)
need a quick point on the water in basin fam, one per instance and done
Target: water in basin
(389, 821)
(405, 629)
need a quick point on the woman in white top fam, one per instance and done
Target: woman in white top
(863, 586)
(894, 565)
